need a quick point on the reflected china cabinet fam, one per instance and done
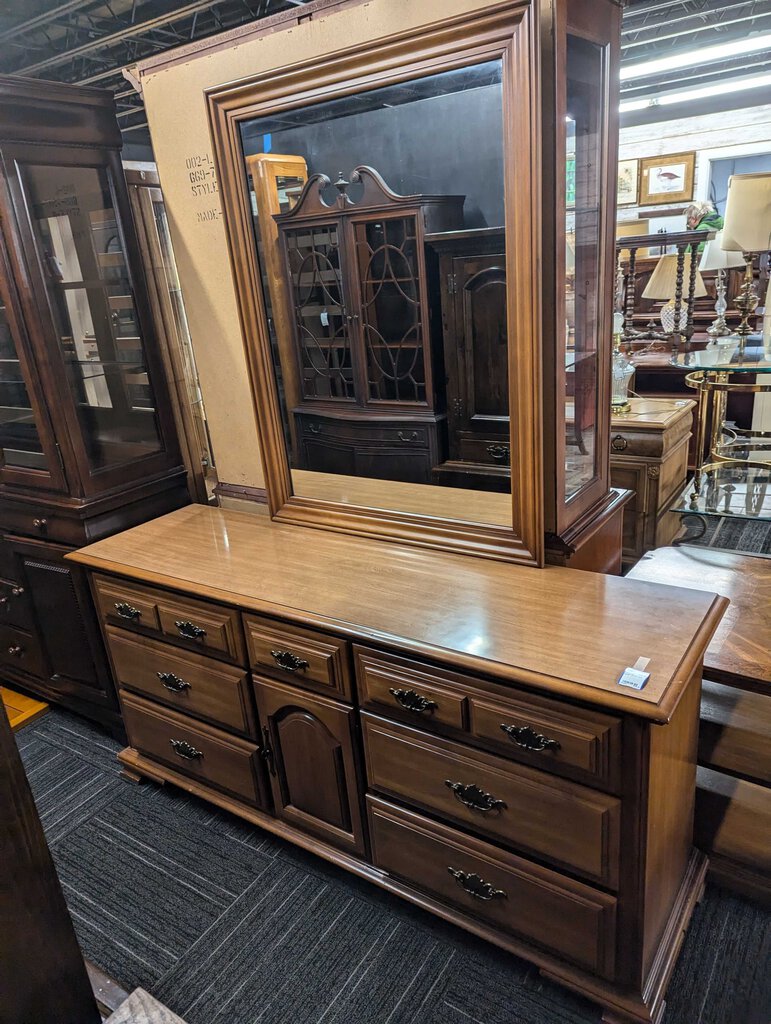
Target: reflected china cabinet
(87, 440)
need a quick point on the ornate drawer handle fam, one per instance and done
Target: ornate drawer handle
(186, 750)
(189, 629)
(499, 452)
(476, 886)
(315, 428)
(528, 738)
(408, 439)
(127, 611)
(618, 443)
(16, 650)
(40, 524)
(474, 797)
(410, 700)
(289, 662)
(172, 682)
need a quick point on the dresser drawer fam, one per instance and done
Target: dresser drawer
(549, 734)
(191, 683)
(489, 451)
(401, 685)
(21, 650)
(565, 917)
(310, 659)
(15, 607)
(567, 824)
(199, 625)
(197, 750)
(34, 521)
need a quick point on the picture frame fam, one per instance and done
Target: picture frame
(667, 179)
(628, 182)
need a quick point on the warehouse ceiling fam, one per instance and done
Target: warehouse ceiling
(678, 58)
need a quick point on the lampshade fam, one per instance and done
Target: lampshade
(716, 258)
(748, 213)
(664, 277)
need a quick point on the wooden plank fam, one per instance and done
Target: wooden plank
(556, 629)
(735, 734)
(733, 819)
(20, 708)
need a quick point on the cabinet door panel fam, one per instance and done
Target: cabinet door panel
(66, 622)
(313, 769)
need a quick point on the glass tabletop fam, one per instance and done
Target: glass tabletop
(738, 492)
(724, 356)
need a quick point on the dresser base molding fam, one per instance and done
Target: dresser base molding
(620, 1006)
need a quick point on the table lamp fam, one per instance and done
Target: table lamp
(747, 228)
(716, 258)
(663, 285)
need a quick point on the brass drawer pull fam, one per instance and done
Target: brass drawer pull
(186, 750)
(17, 591)
(189, 630)
(528, 738)
(408, 438)
(172, 682)
(289, 662)
(410, 700)
(16, 650)
(127, 611)
(476, 886)
(618, 443)
(499, 452)
(474, 797)
(40, 525)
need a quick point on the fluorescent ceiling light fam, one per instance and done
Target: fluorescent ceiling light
(668, 99)
(693, 58)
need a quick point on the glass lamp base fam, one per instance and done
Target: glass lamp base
(667, 315)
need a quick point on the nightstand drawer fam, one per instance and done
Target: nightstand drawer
(526, 809)
(508, 892)
(199, 625)
(197, 750)
(303, 656)
(191, 683)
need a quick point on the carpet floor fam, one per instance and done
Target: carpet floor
(226, 924)
(745, 536)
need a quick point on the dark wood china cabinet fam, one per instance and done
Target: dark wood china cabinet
(87, 443)
(362, 322)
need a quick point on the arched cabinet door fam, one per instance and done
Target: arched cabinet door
(308, 748)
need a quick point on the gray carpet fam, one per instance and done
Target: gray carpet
(228, 925)
(748, 537)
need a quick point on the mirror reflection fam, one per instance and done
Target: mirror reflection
(379, 228)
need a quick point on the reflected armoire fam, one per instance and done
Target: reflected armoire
(86, 433)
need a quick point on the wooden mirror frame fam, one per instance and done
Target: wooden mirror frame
(509, 33)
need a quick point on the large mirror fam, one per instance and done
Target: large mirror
(379, 222)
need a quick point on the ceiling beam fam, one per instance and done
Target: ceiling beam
(140, 28)
(42, 19)
(712, 27)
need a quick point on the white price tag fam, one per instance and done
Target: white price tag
(635, 677)
(324, 319)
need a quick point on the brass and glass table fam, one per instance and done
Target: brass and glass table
(733, 476)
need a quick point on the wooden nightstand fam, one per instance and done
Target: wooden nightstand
(649, 456)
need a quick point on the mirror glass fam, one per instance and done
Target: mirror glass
(378, 221)
(583, 131)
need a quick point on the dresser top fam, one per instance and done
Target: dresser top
(557, 630)
(653, 413)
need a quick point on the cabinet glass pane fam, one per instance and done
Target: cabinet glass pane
(582, 227)
(19, 437)
(89, 291)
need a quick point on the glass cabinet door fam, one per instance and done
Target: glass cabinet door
(584, 149)
(80, 251)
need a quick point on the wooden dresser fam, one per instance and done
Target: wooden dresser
(649, 456)
(733, 792)
(450, 728)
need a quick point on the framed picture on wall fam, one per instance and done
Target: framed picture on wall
(667, 179)
(628, 182)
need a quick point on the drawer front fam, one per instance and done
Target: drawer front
(560, 821)
(545, 733)
(22, 650)
(188, 682)
(126, 604)
(199, 625)
(399, 685)
(199, 751)
(31, 521)
(366, 432)
(302, 656)
(489, 451)
(550, 735)
(15, 608)
(507, 892)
